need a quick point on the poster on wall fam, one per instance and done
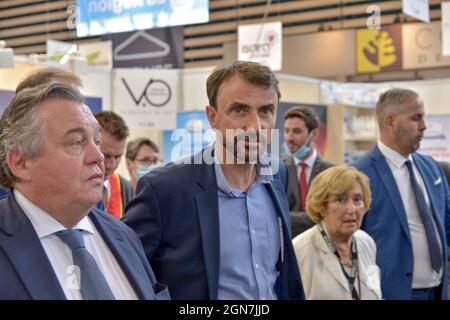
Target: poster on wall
(94, 103)
(261, 43)
(193, 133)
(436, 140)
(146, 99)
(422, 46)
(320, 144)
(160, 48)
(98, 17)
(445, 9)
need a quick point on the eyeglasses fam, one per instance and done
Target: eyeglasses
(148, 161)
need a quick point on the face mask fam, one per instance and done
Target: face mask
(143, 170)
(300, 153)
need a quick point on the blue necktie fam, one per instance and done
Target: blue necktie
(93, 285)
(427, 220)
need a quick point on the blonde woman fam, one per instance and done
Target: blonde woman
(336, 259)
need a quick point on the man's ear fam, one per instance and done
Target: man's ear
(389, 120)
(18, 165)
(315, 134)
(211, 114)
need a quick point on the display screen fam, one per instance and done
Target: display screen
(98, 17)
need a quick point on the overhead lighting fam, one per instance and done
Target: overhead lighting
(6, 56)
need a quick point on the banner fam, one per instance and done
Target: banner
(422, 46)
(98, 17)
(445, 9)
(98, 53)
(146, 99)
(261, 43)
(436, 140)
(160, 48)
(379, 50)
(419, 9)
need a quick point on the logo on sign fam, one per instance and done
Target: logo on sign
(379, 50)
(261, 50)
(156, 93)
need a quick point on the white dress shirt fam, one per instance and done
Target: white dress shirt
(423, 274)
(60, 255)
(309, 165)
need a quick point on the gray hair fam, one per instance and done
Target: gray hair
(22, 130)
(393, 98)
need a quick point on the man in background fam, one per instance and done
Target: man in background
(217, 225)
(117, 190)
(301, 129)
(42, 76)
(53, 243)
(409, 217)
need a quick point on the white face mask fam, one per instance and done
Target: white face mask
(300, 153)
(142, 170)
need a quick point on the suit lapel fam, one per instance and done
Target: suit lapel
(428, 179)
(316, 169)
(329, 260)
(293, 185)
(208, 217)
(388, 180)
(26, 254)
(127, 258)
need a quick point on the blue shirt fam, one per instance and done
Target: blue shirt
(249, 239)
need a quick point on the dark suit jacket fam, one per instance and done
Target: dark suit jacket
(300, 220)
(26, 272)
(445, 166)
(176, 215)
(386, 220)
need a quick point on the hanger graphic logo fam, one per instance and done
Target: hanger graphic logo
(156, 93)
(141, 36)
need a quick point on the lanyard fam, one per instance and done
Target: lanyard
(353, 270)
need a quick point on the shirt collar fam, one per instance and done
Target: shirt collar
(393, 156)
(263, 172)
(309, 161)
(43, 223)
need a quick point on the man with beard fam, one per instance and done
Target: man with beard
(410, 212)
(301, 129)
(216, 226)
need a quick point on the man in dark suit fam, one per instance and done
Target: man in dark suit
(216, 226)
(301, 128)
(117, 190)
(53, 245)
(445, 166)
(410, 212)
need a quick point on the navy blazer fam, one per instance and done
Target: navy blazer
(26, 272)
(175, 213)
(386, 221)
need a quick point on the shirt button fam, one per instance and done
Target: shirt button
(253, 231)
(256, 266)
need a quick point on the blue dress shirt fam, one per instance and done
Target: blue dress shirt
(249, 239)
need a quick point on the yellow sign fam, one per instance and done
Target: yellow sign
(378, 50)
